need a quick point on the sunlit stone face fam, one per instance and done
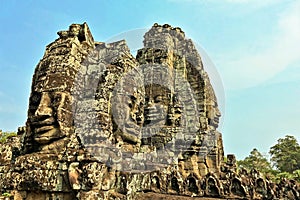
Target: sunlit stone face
(50, 116)
(157, 103)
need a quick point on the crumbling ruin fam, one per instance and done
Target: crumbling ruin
(103, 124)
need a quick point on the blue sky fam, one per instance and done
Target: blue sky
(254, 45)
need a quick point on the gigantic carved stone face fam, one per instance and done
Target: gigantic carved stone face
(50, 116)
(157, 102)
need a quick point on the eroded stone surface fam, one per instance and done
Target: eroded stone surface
(103, 124)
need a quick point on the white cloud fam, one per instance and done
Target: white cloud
(251, 70)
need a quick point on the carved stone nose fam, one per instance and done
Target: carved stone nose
(44, 108)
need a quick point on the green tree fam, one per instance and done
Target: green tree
(255, 161)
(296, 175)
(285, 155)
(5, 135)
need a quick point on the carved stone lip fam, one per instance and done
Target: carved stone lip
(42, 140)
(48, 121)
(46, 134)
(44, 129)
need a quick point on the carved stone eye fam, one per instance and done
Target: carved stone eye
(36, 98)
(159, 99)
(56, 98)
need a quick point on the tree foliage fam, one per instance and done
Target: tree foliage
(5, 135)
(285, 155)
(255, 161)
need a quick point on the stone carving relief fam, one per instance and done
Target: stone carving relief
(103, 124)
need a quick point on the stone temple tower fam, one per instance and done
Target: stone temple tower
(104, 124)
